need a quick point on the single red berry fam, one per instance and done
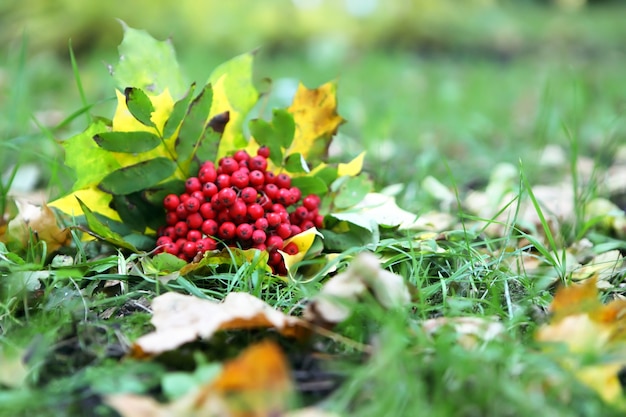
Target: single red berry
(184, 197)
(238, 211)
(295, 229)
(284, 196)
(273, 219)
(263, 151)
(194, 235)
(207, 211)
(244, 164)
(241, 155)
(223, 216)
(163, 240)
(296, 194)
(181, 211)
(227, 197)
(280, 269)
(194, 221)
(207, 164)
(277, 208)
(261, 224)
(301, 213)
(171, 218)
(223, 181)
(318, 221)
(216, 203)
(207, 174)
(255, 211)
(170, 202)
(171, 248)
(180, 242)
(239, 179)
(274, 242)
(257, 179)
(227, 230)
(270, 177)
(169, 232)
(311, 202)
(198, 195)
(181, 229)
(271, 191)
(244, 231)
(275, 258)
(190, 249)
(206, 244)
(284, 216)
(209, 189)
(192, 204)
(283, 181)
(283, 230)
(291, 248)
(209, 227)
(307, 224)
(258, 162)
(248, 195)
(258, 237)
(229, 165)
(192, 184)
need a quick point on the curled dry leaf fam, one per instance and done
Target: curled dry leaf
(180, 319)
(255, 384)
(332, 304)
(38, 220)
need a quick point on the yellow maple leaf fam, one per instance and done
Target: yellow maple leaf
(96, 199)
(315, 115)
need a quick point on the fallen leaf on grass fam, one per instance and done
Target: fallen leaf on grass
(594, 334)
(38, 221)
(332, 304)
(180, 319)
(255, 384)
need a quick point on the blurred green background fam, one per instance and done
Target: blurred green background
(447, 88)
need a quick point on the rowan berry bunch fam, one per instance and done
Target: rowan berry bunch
(240, 204)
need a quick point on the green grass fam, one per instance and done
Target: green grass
(453, 117)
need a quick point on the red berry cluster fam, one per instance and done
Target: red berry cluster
(241, 204)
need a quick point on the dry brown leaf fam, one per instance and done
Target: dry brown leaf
(38, 220)
(255, 384)
(332, 304)
(179, 319)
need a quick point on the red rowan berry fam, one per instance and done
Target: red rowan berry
(227, 197)
(291, 248)
(181, 229)
(258, 237)
(261, 224)
(258, 162)
(194, 235)
(229, 165)
(311, 202)
(192, 184)
(227, 230)
(255, 211)
(223, 181)
(209, 227)
(274, 242)
(248, 195)
(207, 211)
(194, 221)
(171, 218)
(192, 204)
(257, 178)
(239, 179)
(209, 189)
(170, 202)
(244, 231)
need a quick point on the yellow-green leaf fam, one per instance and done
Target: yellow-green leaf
(234, 92)
(96, 199)
(139, 176)
(127, 142)
(303, 241)
(315, 114)
(351, 168)
(102, 231)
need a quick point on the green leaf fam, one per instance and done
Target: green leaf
(127, 142)
(351, 191)
(309, 185)
(136, 212)
(277, 135)
(355, 237)
(147, 64)
(166, 262)
(101, 231)
(139, 105)
(156, 194)
(234, 92)
(90, 162)
(295, 163)
(178, 113)
(138, 176)
(194, 124)
(328, 174)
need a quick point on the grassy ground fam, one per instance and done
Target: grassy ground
(449, 115)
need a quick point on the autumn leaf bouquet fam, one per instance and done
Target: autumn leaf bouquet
(189, 172)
